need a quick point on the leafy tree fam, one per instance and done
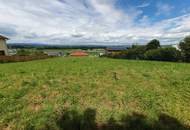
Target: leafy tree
(185, 48)
(153, 44)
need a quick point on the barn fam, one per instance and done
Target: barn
(3, 46)
(79, 53)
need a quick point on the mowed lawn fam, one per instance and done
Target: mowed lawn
(94, 93)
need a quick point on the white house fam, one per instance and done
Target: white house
(176, 46)
(3, 45)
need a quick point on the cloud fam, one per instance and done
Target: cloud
(77, 35)
(164, 9)
(86, 22)
(7, 30)
(143, 5)
(185, 10)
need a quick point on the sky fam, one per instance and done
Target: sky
(94, 22)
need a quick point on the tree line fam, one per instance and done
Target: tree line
(154, 51)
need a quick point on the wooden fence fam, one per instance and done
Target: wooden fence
(5, 59)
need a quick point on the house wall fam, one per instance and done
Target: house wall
(3, 46)
(176, 46)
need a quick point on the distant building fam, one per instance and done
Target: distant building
(3, 46)
(176, 46)
(101, 54)
(79, 53)
(12, 52)
(54, 53)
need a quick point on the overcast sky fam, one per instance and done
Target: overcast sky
(99, 22)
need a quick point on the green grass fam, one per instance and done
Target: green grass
(37, 94)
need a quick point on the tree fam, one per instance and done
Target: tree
(153, 44)
(185, 48)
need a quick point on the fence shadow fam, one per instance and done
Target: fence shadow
(72, 120)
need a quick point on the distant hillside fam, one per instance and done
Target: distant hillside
(47, 46)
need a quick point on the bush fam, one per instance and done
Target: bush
(163, 54)
(116, 54)
(38, 53)
(153, 51)
(30, 52)
(137, 52)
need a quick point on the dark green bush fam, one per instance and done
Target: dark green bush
(136, 52)
(163, 54)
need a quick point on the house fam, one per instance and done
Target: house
(54, 53)
(176, 46)
(3, 46)
(79, 53)
(12, 52)
(101, 54)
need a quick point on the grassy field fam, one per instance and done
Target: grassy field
(94, 93)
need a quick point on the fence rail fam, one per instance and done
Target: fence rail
(5, 59)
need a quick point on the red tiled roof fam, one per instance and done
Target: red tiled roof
(3, 37)
(79, 53)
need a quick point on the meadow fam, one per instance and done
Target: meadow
(94, 93)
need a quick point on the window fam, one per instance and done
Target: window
(2, 53)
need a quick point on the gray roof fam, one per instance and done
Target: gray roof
(54, 53)
(3, 37)
(116, 48)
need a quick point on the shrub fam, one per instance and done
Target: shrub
(115, 55)
(137, 52)
(163, 54)
(30, 52)
(38, 53)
